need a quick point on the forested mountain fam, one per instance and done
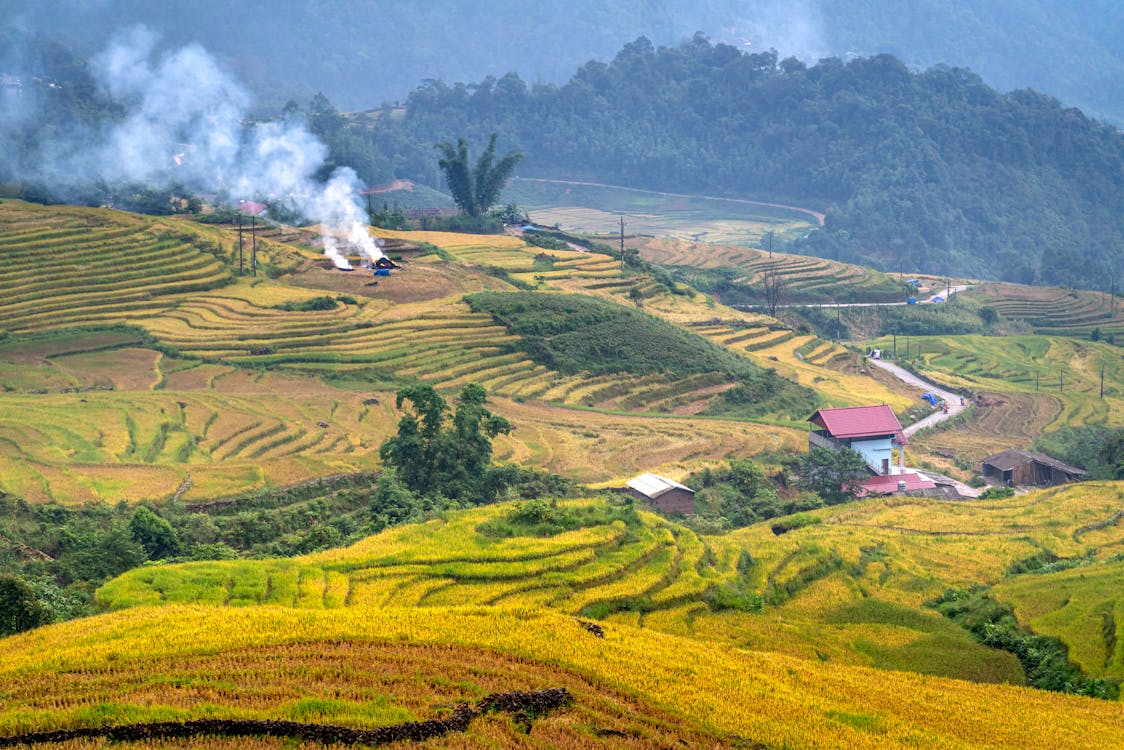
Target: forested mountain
(362, 52)
(934, 171)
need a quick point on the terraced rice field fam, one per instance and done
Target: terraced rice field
(195, 417)
(1081, 606)
(597, 209)
(446, 562)
(849, 589)
(1025, 385)
(369, 667)
(852, 588)
(831, 370)
(1052, 310)
(68, 267)
(804, 277)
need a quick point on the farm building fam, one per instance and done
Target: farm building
(1015, 467)
(665, 495)
(871, 431)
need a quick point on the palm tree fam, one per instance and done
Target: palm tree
(476, 189)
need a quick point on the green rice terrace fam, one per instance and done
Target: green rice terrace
(1053, 310)
(1022, 386)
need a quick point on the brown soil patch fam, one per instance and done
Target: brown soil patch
(414, 282)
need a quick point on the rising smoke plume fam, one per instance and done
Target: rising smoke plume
(185, 123)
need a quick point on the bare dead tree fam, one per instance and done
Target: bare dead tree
(773, 286)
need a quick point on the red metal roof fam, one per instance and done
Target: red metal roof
(859, 421)
(883, 484)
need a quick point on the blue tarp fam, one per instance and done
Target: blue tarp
(930, 397)
(937, 299)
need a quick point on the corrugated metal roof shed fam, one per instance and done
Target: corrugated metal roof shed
(1010, 459)
(653, 485)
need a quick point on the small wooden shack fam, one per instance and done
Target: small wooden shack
(665, 495)
(1028, 469)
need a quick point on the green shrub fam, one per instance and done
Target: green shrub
(791, 523)
(309, 305)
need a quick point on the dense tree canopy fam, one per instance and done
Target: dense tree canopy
(432, 457)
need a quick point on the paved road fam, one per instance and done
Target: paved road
(955, 406)
(945, 293)
(904, 375)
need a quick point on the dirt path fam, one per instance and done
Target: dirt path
(818, 216)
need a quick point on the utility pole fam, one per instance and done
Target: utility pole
(770, 236)
(1036, 382)
(241, 270)
(622, 244)
(1061, 382)
(254, 243)
(1102, 381)
(895, 344)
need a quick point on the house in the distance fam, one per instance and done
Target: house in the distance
(665, 495)
(873, 432)
(1027, 469)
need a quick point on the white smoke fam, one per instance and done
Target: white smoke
(185, 122)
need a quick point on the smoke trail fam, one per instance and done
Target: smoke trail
(184, 123)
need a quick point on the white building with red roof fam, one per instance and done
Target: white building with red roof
(873, 432)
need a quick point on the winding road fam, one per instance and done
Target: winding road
(955, 406)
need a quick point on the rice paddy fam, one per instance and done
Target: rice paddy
(1053, 310)
(850, 590)
(178, 379)
(369, 666)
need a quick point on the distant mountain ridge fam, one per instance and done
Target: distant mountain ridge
(361, 53)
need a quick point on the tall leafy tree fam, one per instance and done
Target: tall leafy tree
(430, 456)
(20, 609)
(832, 474)
(477, 188)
